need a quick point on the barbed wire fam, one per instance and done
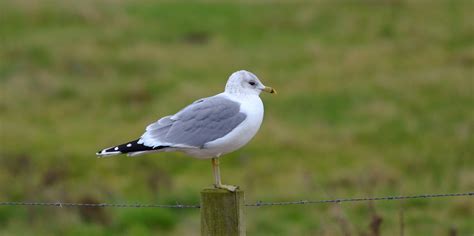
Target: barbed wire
(116, 205)
(341, 200)
(256, 204)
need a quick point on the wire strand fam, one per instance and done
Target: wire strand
(256, 204)
(110, 205)
(341, 200)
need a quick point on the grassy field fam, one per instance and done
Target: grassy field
(375, 98)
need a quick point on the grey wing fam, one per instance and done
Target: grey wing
(197, 124)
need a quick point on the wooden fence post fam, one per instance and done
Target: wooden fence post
(222, 212)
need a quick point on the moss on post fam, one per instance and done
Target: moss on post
(222, 212)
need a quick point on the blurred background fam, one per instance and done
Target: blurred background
(375, 98)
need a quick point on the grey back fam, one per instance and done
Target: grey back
(199, 123)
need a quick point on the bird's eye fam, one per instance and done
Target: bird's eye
(252, 83)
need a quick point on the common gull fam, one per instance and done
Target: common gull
(207, 128)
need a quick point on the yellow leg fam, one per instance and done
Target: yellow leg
(217, 177)
(216, 171)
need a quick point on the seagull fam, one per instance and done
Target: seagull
(208, 128)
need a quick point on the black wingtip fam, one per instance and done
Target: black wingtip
(129, 147)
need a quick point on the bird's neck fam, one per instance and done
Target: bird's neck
(241, 96)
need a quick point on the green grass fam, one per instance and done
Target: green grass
(375, 98)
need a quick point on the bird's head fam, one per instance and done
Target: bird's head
(245, 82)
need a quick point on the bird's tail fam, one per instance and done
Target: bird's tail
(131, 148)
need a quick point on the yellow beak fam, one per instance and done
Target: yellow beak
(270, 90)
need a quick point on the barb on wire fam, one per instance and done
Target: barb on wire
(256, 204)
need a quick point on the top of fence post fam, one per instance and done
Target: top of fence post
(222, 212)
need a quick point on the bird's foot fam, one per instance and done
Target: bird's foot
(230, 188)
